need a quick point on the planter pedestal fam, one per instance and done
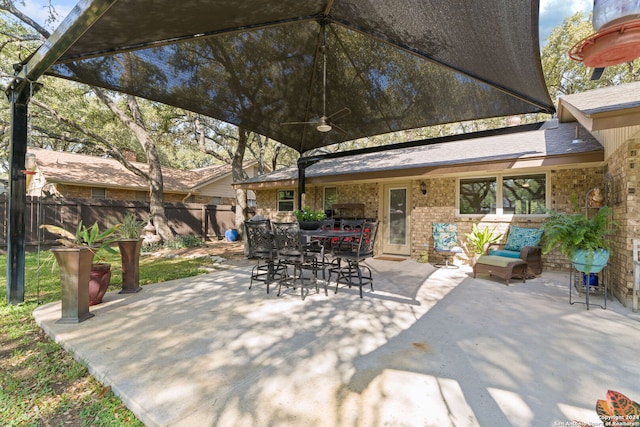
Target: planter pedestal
(130, 255)
(75, 269)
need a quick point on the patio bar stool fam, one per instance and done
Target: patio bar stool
(350, 269)
(292, 251)
(261, 247)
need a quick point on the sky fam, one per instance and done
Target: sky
(552, 12)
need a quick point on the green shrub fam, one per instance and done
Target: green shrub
(184, 241)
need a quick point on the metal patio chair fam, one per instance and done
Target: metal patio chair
(445, 242)
(301, 256)
(350, 269)
(262, 248)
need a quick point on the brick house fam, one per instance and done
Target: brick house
(594, 142)
(89, 177)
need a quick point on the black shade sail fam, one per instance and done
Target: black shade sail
(394, 64)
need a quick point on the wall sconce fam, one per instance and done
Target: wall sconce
(423, 188)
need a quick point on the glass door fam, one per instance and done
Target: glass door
(396, 227)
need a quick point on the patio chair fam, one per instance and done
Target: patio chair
(348, 225)
(292, 251)
(523, 243)
(353, 272)
(325, 243)
(261, 247)
(445, 242)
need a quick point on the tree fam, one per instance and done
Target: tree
(563, 75)
(132, 118)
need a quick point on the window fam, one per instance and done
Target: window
(330, 197)
(520, 195)
(478, 196)
(285, 200)
(141, 196)
(216, 200)
(98, 193)
(524, 195)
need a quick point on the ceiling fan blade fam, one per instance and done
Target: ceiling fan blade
(338, 128)
(340, 113)
(298, 123)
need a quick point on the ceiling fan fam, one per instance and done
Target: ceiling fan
(325, 123)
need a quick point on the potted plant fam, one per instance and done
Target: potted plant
(479, 239)
(129, 242)
(75, 258)
(309, 219)
(581, 239)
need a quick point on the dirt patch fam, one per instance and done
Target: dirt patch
(221, 248)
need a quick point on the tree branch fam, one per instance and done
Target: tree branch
(109, 148)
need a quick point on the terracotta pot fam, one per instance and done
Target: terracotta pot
(130, 255)
(75, 269)
(99, 280)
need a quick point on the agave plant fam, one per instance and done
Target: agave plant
(90, 237)
(478, 239)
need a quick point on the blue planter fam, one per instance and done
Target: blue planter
(231, 235)
(590, 279)
(581, 260)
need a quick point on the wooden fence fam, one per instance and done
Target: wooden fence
(208, 222)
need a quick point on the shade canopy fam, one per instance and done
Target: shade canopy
(257, 64)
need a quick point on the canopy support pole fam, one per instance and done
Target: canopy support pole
(19, 91)
(301, 185)
(17, 195)
(303, 164)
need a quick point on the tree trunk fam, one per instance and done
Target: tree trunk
(156, 183)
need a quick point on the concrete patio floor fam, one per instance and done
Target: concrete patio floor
(427, 348)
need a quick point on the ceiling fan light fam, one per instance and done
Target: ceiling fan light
(323, 126)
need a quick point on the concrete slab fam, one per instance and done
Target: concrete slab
(427, 348)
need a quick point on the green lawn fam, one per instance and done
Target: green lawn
(40, 384)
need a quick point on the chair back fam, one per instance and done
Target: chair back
(351, 224)
(445, 236)
(367, 242)
(288, 240)
(327, 224)
(259, 239)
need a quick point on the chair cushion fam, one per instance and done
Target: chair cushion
(520, 237)
(504, 253)
(445, 236)
(496, 261)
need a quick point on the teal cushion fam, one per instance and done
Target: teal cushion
(504, 253)
(445, 236)
(520, 237)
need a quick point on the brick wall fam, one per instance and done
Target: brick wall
(624, 167)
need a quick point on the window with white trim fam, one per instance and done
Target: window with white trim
(520, 195)
(286, 200)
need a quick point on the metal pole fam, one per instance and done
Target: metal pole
(17, 201)
(301, 184)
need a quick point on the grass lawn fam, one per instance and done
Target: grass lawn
(40, 383)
